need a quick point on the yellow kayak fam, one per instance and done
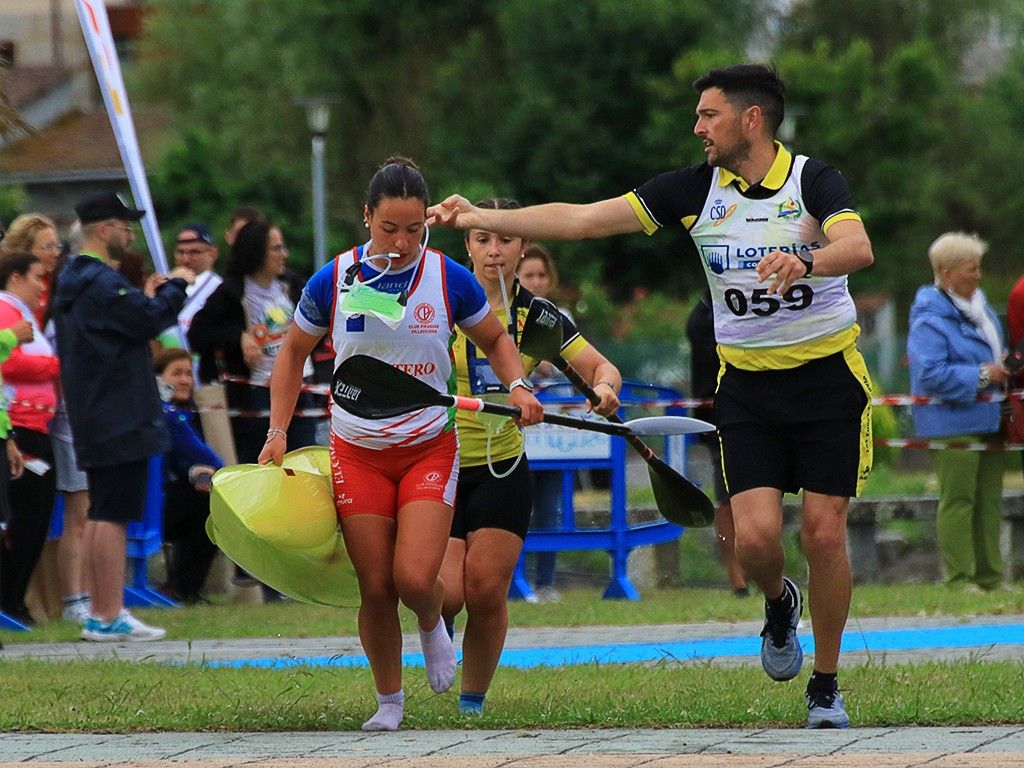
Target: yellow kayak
(280, 525)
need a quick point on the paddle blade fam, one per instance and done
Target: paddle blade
(372, 389)
(541, 338)
(678, 500)
(668, 425)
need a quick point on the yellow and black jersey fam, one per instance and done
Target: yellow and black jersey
(470, 363)
(733, 225)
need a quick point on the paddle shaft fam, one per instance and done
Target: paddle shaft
(483, 406)
(595, 399)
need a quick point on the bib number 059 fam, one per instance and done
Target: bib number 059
(763, 304)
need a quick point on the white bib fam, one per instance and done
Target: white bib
(420, 346)
(733, 233)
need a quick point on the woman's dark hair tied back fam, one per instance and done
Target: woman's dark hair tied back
(397, 177)
(12, 262)
(249, 252)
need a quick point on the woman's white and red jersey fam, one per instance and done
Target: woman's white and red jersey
(442, 294)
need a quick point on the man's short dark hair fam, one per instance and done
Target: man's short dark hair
(748, 85)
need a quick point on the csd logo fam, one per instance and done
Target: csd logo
(424, 314)
(719, 213)
(432, 477)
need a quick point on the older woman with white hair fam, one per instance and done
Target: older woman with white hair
(956, 352)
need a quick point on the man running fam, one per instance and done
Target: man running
(777, 234)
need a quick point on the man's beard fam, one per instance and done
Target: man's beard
(116, 252)
(734, 158)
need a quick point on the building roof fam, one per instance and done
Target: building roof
(27, 84)
(79, 145)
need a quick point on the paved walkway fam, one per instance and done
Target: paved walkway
(855, 748)
(895, 640)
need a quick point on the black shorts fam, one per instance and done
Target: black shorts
(714, 446)
(485, 501)
(807, 427)
(117, 494)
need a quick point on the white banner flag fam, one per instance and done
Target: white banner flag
(92, 15)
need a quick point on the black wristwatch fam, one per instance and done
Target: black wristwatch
(807, 257)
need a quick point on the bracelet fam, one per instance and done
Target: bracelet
(276, 432)
(606, 383)
(984, 377)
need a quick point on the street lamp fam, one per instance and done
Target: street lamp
(318, 116)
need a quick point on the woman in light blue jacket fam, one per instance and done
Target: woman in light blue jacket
(956, 348)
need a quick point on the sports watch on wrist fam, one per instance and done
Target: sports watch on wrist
(807, 257)
(523, 382)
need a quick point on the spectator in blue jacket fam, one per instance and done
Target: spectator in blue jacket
(188, 472)
(956, 351)
(104, 326)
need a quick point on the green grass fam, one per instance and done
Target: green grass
(85, 696)
(108, 696)
(122, 697)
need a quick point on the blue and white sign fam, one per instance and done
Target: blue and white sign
(546, 442)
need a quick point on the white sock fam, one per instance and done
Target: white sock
(439, 657)
(390, 711)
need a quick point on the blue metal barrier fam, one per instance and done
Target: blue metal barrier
(145, 538)
(568, 450)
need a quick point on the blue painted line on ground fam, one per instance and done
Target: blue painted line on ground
(875, 641)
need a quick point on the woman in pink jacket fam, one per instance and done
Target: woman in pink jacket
(30, 384)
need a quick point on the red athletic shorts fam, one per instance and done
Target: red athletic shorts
(379, 482)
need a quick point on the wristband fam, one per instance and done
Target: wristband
(984, 377)
(276, 432)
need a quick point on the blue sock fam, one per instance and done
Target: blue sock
(471, 703)
(450, 628)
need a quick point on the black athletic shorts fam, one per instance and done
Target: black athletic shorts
(484, 501)
(807, 427)
(117, 494)
(714, 446)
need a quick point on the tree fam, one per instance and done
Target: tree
(245, 62)
(538, 99)
(890, 97)
(554, 100)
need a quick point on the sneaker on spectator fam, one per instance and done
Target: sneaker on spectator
(124, 628)
(826, 709)
(781, 654)
(77, 611)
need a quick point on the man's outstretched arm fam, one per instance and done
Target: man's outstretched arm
(550, 221)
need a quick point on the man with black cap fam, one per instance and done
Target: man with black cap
(104, 326)
(194, 249)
